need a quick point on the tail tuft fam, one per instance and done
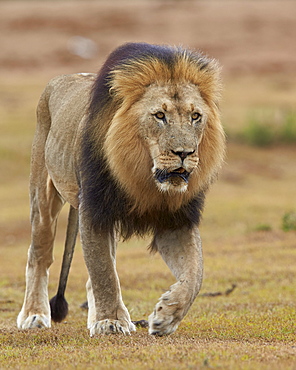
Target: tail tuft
(59, 308)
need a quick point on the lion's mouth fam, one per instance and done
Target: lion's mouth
(163, 175)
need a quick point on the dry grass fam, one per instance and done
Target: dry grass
(253, 327)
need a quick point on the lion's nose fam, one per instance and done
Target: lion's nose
(183, 154)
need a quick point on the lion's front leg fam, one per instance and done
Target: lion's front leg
(107, 313)
(182, 252)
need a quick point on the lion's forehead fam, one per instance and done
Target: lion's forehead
(182, 98)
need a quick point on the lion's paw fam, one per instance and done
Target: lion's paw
(111, 327)
(34, 322)
(164, 320)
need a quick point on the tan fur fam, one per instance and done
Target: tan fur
(135, 145)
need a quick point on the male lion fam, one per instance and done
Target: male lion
(133, 150)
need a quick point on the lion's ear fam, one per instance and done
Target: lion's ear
(210, 88)
(216, 82)
(111, 91)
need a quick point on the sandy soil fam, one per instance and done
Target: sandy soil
(246, 36)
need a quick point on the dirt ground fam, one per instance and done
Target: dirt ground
(245, 36)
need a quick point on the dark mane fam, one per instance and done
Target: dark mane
(131, 51)
(101, 197)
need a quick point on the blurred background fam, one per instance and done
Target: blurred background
(253, 203)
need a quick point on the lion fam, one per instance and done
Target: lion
(133, 150)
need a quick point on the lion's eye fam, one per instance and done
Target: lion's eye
(196, 116)
(160, 115)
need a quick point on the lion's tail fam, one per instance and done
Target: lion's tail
(58, 304)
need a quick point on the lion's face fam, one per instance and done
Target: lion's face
(172, 120)
(164, 145)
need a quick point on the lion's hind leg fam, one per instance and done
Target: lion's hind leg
(46, 204)
(45, 207)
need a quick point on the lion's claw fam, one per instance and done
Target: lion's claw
(111, 327)
(165, 319)
(34, 322)
(164, 327)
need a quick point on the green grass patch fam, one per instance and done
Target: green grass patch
(289, 221)
(263, 227)
(265, 127)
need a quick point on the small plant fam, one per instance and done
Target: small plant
(258, 133)
(289, 221)
(288, 131)
(265, 128)
(263, 227)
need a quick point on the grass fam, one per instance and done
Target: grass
(289, 221)
(266, 128)
(243, 241)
